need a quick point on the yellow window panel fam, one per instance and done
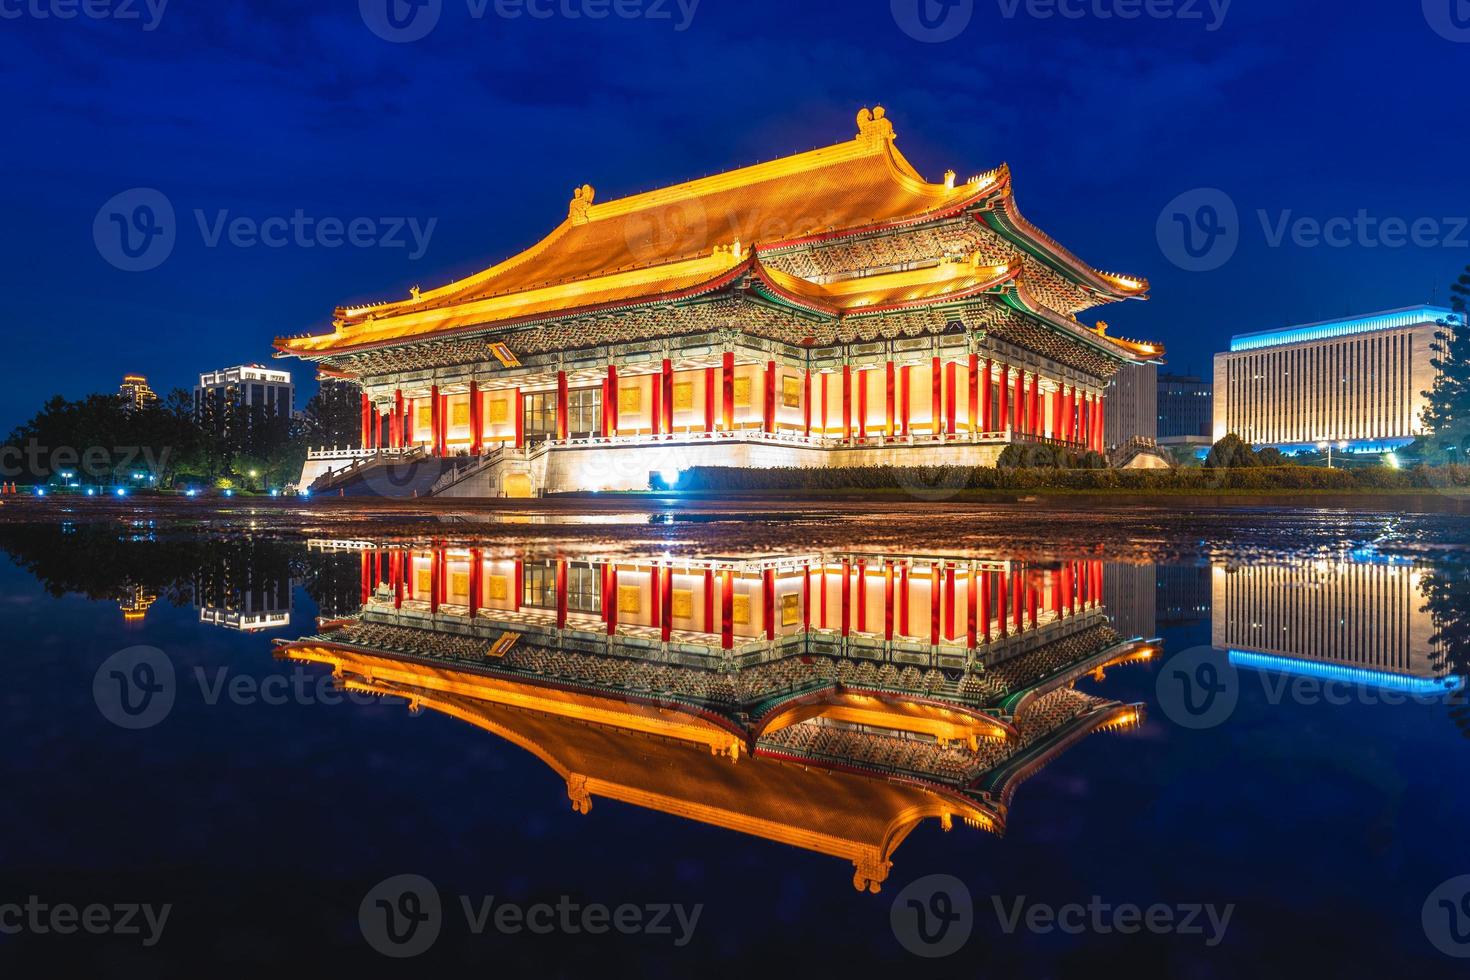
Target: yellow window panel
(740, 610)
(683, 604)
(426, 581)
(426, 417)
(459, 583)
(630, 399)
(791, 392)
(790, 609)
(683, 396)
(459, 414)
(630, 599)
(500, 411)
(742, 392)
(499, 587)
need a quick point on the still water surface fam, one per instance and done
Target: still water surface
(661, 752)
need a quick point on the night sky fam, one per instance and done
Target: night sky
(484, 126)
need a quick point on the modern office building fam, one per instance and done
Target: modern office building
(1358, 383)
(222, 397)
(134, 391)
(1130, 404)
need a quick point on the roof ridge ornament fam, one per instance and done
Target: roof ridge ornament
(873, 126)
(581, 204)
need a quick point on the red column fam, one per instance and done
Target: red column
(563, 406)
(709, 601)
(1001, 605)
(987, 417)
(656, 409)
(949, 612)
(1036, 404)
(822, 595)
(862, 596)
(476, 586)
(951, 370)
(408, 584)
(888, 397)
(1033, 601)
(561, 593)
(727, 383)
(846, 403)
(365, 591)
(806, 402)
(936, 396)
(888, 601)
(435, 580)
(367, 421)
(666, 610)
(985, 602)
(1084, 417)
(519, 585)
(610, 597)
(1055, 429)
(1056, 593)
(862, 406)
(824, 404)
(1020, 401)
(769, 411)
(768, 602)
(1102, 437)
(905, 399)
(477, 428)
(972, 618)
(727, 610)
(612, 400)
(395, 570)
(668, 385)
(656, 602)
(518, 406)
(436, 420)
(846, 597)
(1018, 598)
(709, 399)
(903, 600)
(934, 605)
(972, 384)
(409, 410)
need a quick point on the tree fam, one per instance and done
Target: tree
(1447, 415)
(1231, 452)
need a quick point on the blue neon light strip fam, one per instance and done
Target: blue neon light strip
(1340, 328)
(1350, 675)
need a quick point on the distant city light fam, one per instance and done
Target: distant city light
(670, 478)
(229, 493)
(191, 492)
(40, 491)
(1392, 460)
(122, 491)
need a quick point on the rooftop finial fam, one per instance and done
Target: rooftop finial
(873, 125)
(581, 204)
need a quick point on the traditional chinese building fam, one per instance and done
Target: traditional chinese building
(831, 308)
(830, 702)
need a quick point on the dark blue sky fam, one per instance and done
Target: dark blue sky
(259, 110)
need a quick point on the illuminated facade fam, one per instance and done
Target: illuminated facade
(1359, 381)
(1364, 619)
(135, 392)
(830, 308)
(831, 702)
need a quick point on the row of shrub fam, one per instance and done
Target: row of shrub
(922, 480)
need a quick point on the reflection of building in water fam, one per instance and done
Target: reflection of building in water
(242, 594)
(1364, 615)
(1128, 596)
(1183, 594)
(832, 702)
(134, 603)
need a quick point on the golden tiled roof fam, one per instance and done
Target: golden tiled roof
(949, 281)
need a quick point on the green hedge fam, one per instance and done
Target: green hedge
(921, 480)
